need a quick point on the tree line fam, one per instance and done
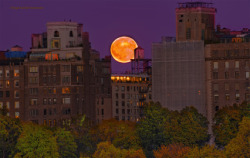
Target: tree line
(161, 133)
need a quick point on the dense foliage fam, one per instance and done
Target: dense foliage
(161, 133)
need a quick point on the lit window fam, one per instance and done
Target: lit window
(54, 100)
(226, 64)
(44, 101)
(237, 96)
(237, 64)
(7, 73)
(216, 98)
(16, 114)
(16, 73)
(33, 101)
(227, 96)
(79, 68)
(1, 73)
(65, 90)
(33, 69)
(123, 88)
(215, 65)
(247, 75)
(7, 84)
(66, 100)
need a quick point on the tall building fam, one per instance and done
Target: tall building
(12, 81)
(60, 78)
(179, 74)
(195, 21)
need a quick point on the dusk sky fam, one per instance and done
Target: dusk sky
(144, 20)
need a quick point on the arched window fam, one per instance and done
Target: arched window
(71, 34)
(56, 34)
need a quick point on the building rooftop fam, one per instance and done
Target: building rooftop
(195, 4)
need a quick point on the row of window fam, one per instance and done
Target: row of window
(227, 86)
(17, 114)
(49, 101)
(132, 88)
(56, 34)
(231, 52)
(129, 111)
(135, 96)
(227, 97)
(8, 83)
(129, 103)
(123, 118)
(7, 104)
(236, 64)
(227, 76)
(7, 73)
(34, 91)
(7, 94)
(65, 68)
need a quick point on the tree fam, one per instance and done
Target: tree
(10, 129)
(172, 151)
(36, 141)
(120, 133)
(227, 122)
(187, 127)
(108, 150)
(151, 128)
(66, 143)
(240, 145)
(207, 152)
(4, 110)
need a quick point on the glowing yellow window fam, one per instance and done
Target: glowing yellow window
(65, 90)
(16, 73)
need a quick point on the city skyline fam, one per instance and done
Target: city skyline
(144, 21)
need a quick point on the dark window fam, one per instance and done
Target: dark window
(56, 34)
(215, 75)
(1, 94)
(102, 101)
(188, 33)
(226, 75)
(102, 111)
(71, 34)
(117, 96)
(7, 94)
(237, 74)
(180, 20)
(123, 111)
(117, 103)
(117, 111)
(123, 96)
(128, 88)
(45, 112)
(216, 108)
(123, 103)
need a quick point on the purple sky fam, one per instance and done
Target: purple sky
(144, 20)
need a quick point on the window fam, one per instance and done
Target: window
(123, 103)
(56, 34)
(44, 101)
(227, 96)
(128, 88)
(16, 73)
(33, 101)
(16, 114)
(33, 69)
(102, 101)
(66, 79)
(1, 73)
(16, 83)
(117, 103)
(7, 84)
(66, 100)
(216, 98)
(71, 34)
(17, 105)
(226, 75)
(33, 80)
(54, 44)
(1, 84)
(65, 90)
(237, 64)
(226, 86)
(217, 108)
(54, 100)
(8, 105)
(116, 95)
(237, 96)
(1, 94)
(102, 111)
(215, 75)
(66, 68)
(123, 111)
(16, 94)
(226, 64)
(247, 97)
(123, 96)
(49, 101)
(33, 91)
(7, 94)
(44, 111)
(123, 88)
(215, 87)
(237, 74)
(52, 90)
(188, 33)
(247, 75)
(7, 73)
(79, 68)
(1, 105)
(215, 65)
(116, 88)
(117, 111)
(237, 86)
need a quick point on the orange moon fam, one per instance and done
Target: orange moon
(122, 49)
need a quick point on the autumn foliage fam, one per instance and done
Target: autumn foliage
(172, 151)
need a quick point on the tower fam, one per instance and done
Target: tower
(195, 21)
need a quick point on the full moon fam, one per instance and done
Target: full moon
(122, 49)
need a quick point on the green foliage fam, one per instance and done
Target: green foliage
(227, 122)
(151, 128)
(120, 133)
(10, 130)
(206, 152)
(66, 143)
(36, 141)
(187, 127)
(172, 151)
(240, 145)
